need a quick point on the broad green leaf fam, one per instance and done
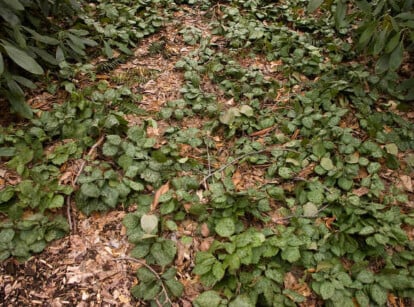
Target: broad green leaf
(90, 190)
(396, 57)
(319, 150)
(378, 294)
(345, 184)
(367, 230)
(6, 235)
(7, 151)
(362, 298)
(218, 270)
(246, 110)
(367, 34)
(14, 4)
(229, 116)
(42, 38)
(56, 202)
(291, 254)
(164, 252)
(242, 301)
(366, 277)
(225, 227)
(392, 149)
(17, 101)
(310, 210)
(315, 196)
(327, 164)
(175, 287)
(313, 5)
(382, 64)
(285, 172)
(208, 299)
(380, 41)
(145, 275)
(149, 222)
(327, 290)
(393, 43)
(1, 64)
(22, 59)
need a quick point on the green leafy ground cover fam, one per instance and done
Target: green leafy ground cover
(284, 147)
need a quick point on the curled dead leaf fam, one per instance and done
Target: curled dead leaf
(407, 183)
(162, 190)
(205, 231)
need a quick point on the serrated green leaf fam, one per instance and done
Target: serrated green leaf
(378, 294)
(149, 223)
(367, 230)
(310, 210)
(208, 299)
(6, 235)
(22, 59)
(242, 301)
(164, 252)
(145, 275)
(327, 290)
(225, 227)
(291, 254)
(90, 190)
(285, 172)
(366, 277)
(175, 287)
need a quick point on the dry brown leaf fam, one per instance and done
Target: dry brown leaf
(306, 171)
(289, 281)
(162, 190)
(205, 244)
(329, 221)
(205, 231)
(237, 178)
(262, 132)
(407, 183)
(360, 191)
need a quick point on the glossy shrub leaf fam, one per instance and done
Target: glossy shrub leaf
(22, 59)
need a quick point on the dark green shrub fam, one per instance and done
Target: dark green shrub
(32, 39)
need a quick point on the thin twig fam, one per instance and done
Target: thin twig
(68, 212)
(287, 218)
(75, 180)
(90, 152)
(163, 289)
(240, 158)
(231, 163)
(209, 167)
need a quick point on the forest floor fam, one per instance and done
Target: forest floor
(91, 266)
